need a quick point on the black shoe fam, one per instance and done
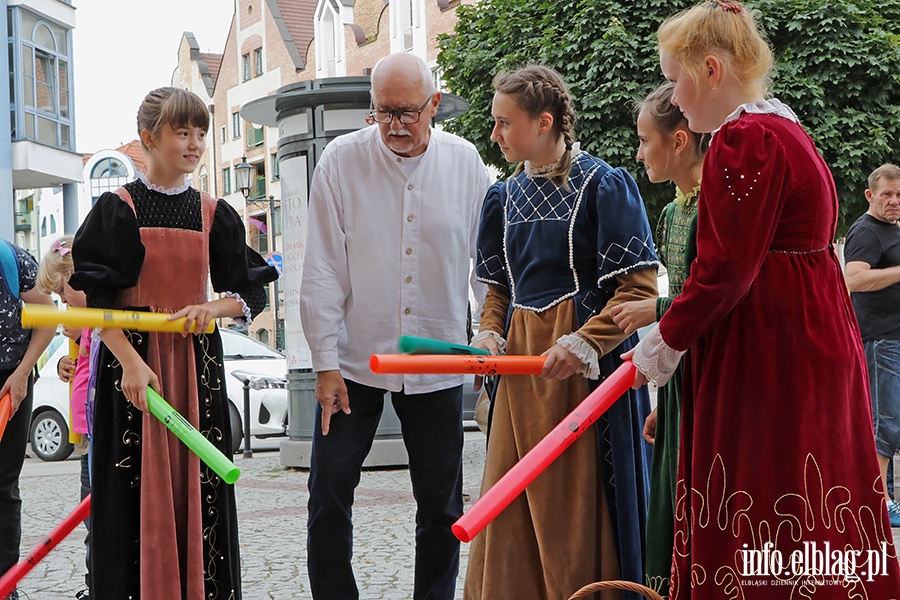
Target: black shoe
(84, 594)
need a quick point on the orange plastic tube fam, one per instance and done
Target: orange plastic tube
(444, 364)
(545, 452)
(11, 578)
(5, 410)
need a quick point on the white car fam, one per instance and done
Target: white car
(245, 359)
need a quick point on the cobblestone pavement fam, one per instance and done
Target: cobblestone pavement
(272, 515)
(272, 519)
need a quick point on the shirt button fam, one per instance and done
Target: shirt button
(409, 218)
(409, 279)
(409, 187)
(399, 159)
(408, 310)
(409, 250)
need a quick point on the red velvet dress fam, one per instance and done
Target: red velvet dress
(776, 439)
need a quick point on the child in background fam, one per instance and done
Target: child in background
(53, 277)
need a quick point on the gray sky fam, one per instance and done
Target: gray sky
(122, 50)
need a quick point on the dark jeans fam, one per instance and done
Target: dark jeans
(432, 432)
(12, 456)
(85, 490)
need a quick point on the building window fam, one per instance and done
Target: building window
(258, 183)
(52, 224)
(223, 134)
(259, 240)
(246, 62)
(406, 26)
(236, 125)
(45, 86)
(226, 180)
(276, 169)
(258, 61)
(204, 179)
(329, 38)
(44, 227)
(255, 135)
(437, 77)
(109, 174)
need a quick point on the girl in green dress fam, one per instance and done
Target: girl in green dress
(669, 151)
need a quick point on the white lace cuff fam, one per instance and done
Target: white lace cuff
(578, 346)
(245, 320)
(483, 335)
(656, 359)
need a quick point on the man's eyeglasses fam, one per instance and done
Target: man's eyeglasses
(405, 115)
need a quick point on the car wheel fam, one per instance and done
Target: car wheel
(237, 431)
(50, 436)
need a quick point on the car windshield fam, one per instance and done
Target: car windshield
(238, 345)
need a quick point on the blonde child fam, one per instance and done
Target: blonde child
(777, 454)
(53, 277)
(164, 525)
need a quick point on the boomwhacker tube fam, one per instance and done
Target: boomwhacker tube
(193, 439)
(545, 452)
(446, 364)
(34, 315)
(11, 578)
(74, 438)
(5, 411)
(410, 344)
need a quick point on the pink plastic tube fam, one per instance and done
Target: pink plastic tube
(11, 578)
(545, 452)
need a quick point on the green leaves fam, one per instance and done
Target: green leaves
(837, 66)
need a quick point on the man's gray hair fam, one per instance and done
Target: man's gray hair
(885, 171)
(424, 72)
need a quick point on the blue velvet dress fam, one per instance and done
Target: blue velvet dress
(556, 259)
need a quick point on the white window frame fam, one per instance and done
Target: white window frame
(329, 39)
(408, 32)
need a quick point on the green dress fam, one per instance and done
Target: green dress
(676, 245)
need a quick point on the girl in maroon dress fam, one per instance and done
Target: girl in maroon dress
(778, 492)
(164, 524)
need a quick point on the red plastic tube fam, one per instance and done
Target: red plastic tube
(5, 410)
(545, 452)
(443, 364)
(11, 578)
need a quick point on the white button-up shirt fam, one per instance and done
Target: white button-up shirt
(388, 254)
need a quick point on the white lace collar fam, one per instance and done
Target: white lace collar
(762, 107)
(162, 190)
(535, 172)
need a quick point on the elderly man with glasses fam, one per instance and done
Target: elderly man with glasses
(393, 219)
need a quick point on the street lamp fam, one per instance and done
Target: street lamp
(243, 173)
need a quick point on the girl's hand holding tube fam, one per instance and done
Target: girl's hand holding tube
(488, 343)
(136, 376)
(200, 314)
(560, 364)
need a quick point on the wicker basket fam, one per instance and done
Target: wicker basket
(627, 586)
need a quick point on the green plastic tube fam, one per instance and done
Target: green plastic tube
(410, 344)
(193, 439)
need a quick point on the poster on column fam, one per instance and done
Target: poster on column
(295, 197)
